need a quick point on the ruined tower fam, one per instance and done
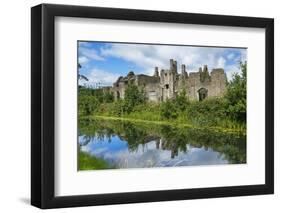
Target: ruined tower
(168, 83)
(156, 72)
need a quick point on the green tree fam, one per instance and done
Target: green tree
(108, 97)
(181, 101)
(209, 112)
(168, 110)
(87, 104)
(236, 95)
(118, 107)
(133, 97)
(80, 76)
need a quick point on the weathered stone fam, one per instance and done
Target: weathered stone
(197, 85)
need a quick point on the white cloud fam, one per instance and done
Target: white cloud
(221, 62)
(243, 56)
(98, 77)
(83, 60)
(149, 56)
(231, 70)
(139, 54)
(230, 56)
(91, 54)
(84, 44)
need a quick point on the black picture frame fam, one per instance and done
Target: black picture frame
(43, 102)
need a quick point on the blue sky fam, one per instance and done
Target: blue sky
(103, 62)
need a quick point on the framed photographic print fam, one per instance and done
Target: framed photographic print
(140, 106)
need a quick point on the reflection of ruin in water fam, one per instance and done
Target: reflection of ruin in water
(178, 142)
(162, 144)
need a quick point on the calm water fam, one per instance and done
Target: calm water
(135, 145)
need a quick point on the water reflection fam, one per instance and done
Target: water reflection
(141, 145)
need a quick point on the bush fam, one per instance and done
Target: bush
(108, 97)
(146, 111)
(118, 108)
(133, 97)
(236, 95)
(207, 112)
(168, 110)
(181, 101)
(87, 104)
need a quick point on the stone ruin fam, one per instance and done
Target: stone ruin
(167, 83)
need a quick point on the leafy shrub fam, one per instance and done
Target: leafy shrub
(87, 104)
(133, 97)
(168, 110)
(208, 112)
(181, 101)
(236, 95)
(118, 108)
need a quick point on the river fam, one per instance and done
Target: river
(123, 144)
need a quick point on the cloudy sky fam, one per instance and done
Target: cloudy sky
(103, 62)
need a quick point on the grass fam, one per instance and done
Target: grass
(89, 162)
(176, 123)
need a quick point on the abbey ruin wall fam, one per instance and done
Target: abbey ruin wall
(167, 83)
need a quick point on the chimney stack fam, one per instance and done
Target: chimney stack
(205, 69)
(183, 68)
(156, 72)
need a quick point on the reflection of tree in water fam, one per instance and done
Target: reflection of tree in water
(173, 139)
(90, 129)
(231, 147)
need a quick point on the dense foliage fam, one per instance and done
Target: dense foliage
(236, 95)
(90, 100)
(227, 111)
(133, 97)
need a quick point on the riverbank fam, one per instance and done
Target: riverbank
(90, 162)
(168, 122)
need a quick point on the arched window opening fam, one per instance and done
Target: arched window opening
(202, 94)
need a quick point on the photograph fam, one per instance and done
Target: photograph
(160, 105)
(133, 105)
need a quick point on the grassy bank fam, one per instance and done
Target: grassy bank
(89, 162)
(176, 123)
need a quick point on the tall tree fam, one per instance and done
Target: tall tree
(80, 76)
(133, 97)
(236, 95)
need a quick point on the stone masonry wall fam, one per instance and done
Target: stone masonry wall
(166, 85)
